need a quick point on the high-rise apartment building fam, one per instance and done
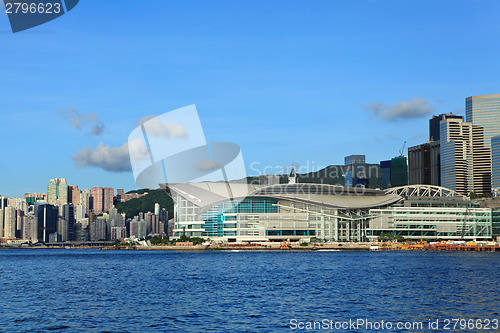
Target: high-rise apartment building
(108, 198)
(98, 229)
(32, 198)
(73, 194)
(30, 226)
(465, 161)
(120, 194)
(57, 189)
(9, 226)
(62, 230)
(79, 213)
(138, 228)
(484, 111)
(85, 200)
(118, 232)
(102, 199)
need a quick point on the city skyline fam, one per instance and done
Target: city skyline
(287, 84)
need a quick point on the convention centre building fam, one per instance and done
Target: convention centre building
(236, 212)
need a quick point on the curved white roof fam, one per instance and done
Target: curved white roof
(331, 196)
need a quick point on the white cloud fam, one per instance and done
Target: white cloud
(115, 159)
(415, 108)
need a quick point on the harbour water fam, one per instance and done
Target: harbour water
(71, 290)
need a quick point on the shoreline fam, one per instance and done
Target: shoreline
(271, 248)
(324, 248)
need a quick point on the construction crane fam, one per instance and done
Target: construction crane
(401, 151)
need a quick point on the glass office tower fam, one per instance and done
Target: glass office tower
(355, 168)
(484, 111)
(495, 163)
(465, 161)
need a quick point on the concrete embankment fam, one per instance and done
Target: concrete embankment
(316, 247)
(273, 247)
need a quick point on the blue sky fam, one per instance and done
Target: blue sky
(305, 82)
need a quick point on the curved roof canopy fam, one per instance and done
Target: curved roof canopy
(329, 196)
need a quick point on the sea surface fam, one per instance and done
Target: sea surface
(71, 290)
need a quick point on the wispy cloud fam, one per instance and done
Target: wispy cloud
(89, 121)
(115, 159)
(415, 108)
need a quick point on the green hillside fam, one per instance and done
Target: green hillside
(332, 175)
(146, 203)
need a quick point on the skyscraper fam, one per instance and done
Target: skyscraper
(419, 164)
(399, 171)
(385, 167)
(495, 164)
(57, 190)
(47, 221)
(68, 215)
(424, 161)
(355, 168)
(434, 127)
(484, 111)
(435, 154)
(3, 205)
(465, 161)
